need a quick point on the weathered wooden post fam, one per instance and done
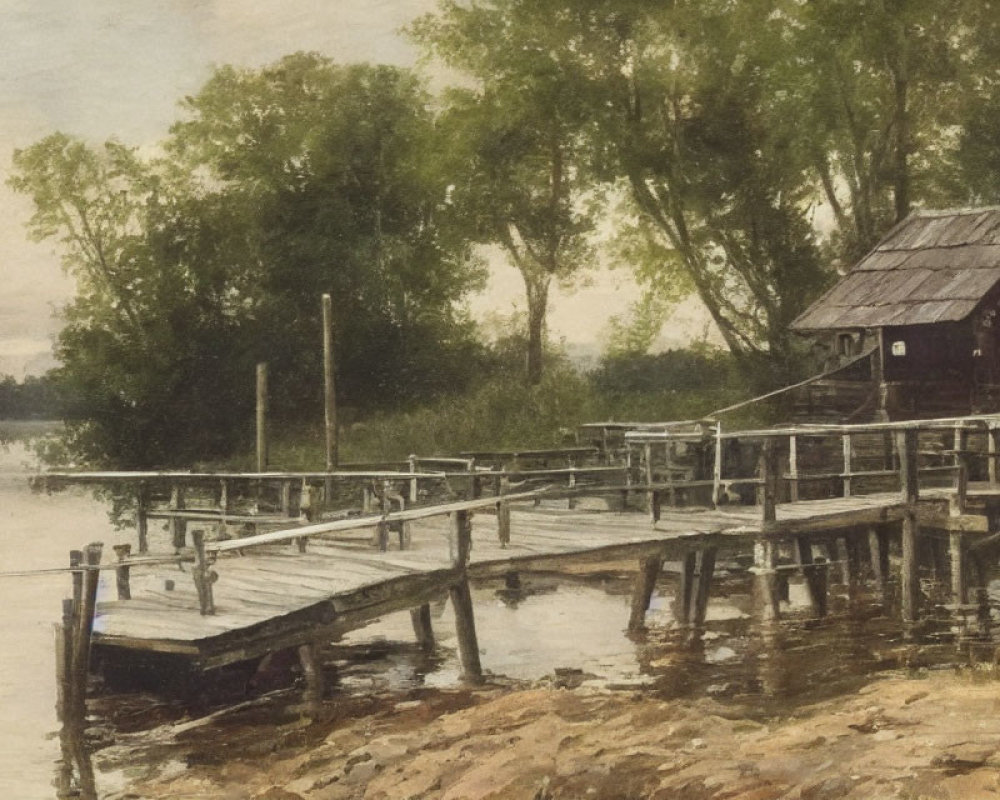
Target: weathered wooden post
(261, 417)
(717, 467)
(654, 505)
(765, 549)
(878, 548)
(706, 569)
(906, 447)
(503, 513)
(846, 447)
(123, 551)
(993, 452)
(312, 671)
(814, 573)
(642, 591)
(571, 486)
(461, 597)
(685, 588)
(83, 622)
(204, 576)
(647, 457)
(414, 481)
(960, 484)
(178, 525)
(793, 468)
(330, 396)
(423, 629)
(141, 516)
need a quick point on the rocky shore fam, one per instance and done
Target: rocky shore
(921, 735)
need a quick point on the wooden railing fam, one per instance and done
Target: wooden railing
(784, 444)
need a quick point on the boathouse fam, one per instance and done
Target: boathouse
(915, 322)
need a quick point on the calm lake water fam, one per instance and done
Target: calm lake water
(563, 630)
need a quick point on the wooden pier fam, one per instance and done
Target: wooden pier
(256, 563)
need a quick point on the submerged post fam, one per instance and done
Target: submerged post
(329, 392)
(906, 447)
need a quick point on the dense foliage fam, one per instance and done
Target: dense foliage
(736, 151)
(33, 398)
(279, 184)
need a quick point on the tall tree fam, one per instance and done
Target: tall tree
(880, 88)
(517, 152)
(674, 100)
(279, 184)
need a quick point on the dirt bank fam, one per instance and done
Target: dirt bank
(931, 736)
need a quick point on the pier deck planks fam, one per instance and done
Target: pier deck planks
(275, 596)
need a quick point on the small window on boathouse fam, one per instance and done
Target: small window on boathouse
(899, 348)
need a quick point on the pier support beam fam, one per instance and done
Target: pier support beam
(465, 628)
(685, 588)
(815, 575)
(706, 570)
(422, 627)
(878, 548)
(766, 580)
(959, 587)
(642, 592)
(312, 671)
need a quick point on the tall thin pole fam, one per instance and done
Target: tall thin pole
(332, 456)
(261, 417)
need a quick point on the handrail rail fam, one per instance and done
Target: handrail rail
(941, 423)
(361, 523)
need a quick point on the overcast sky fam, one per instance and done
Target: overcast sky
(116, 68)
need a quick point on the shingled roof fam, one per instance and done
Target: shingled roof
(934, 266)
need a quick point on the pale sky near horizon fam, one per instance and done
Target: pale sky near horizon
(116, 68)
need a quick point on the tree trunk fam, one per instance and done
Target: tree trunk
(538, 300)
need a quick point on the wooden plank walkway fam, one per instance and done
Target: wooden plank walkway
(273, 596)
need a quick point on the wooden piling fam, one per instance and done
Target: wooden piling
(64, 657)
(460, 538)
(717, 467)
(993, 452)
(852, 553)
(422, 627)
(906, 447)
(123, 551)
(767, 489)
(706, 570)
(685, 588)
(846, 448)
(958, 501)
(957, 551)
(642, 591)
(654, 506)
(312, 671)
(766, 580)
(178, 525)
(83, 620)
(793, 468)
(203, 575)
(878, 548)
(465, 628)
(503, 513)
